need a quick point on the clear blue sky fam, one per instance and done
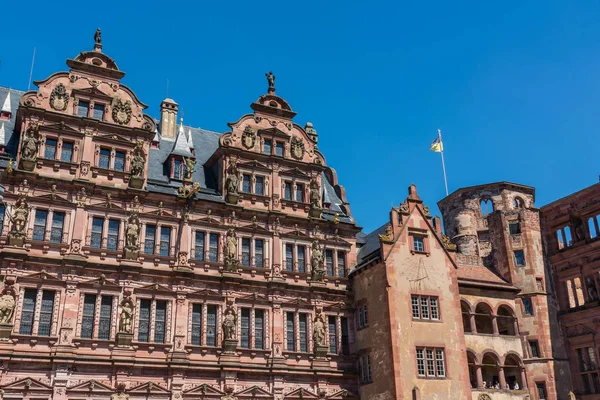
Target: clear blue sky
(515, 88)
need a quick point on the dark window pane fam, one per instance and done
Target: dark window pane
(113, 234)
(97, 226)
(2, 215)
(39, 224)
(87, 321)
(519, 258)
(301, 259)
(245, 329)
(259, 317)
(50, 151)
(514, 228)
(106, 304)
(302, 331)
(177, 169)
(98, 111)
(341, 261)
(289, 257)
(45, 323)
(299, 192)
(287, 193)
(211, 325)
(267, 149)
(246, 183)
(345, 337)
(119, 161)
(159, 321)
(528, 306)
(279, 149)
(541, 388)
(259, 250)
(197, 324)
(332, 335)
(246, 252)
(213, 251)
(29, 298)
(144, 321)
(56, 233)
(329, 262)
(150, 241)
(535, 352)
(82, 108)
(66, 153)
(104, 159)
(290, 332)
(199, 247)
(259, 185)
(165, 241)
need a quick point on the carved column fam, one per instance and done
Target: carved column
(495, 324)
(523, 379)
(479, 375)
(501, 378)
(473, 323)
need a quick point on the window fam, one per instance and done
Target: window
(199, 246)
(245, 329)
(287, 191)
(345, 337)
(259, 253)
(539, 284)
(46, 311)
(588, 367)
(28, 312)
(290, 331)
(119, 161)
(39, 224)
(519, 258)
(268, 147)
(535, 350)
(259, 186)
(329, 262)
(104, 159)
(541, 389)
(160, 316)
(425, 307)
(98, 111)
(177, 169)
(246, 183)
(564, 237)
(2, 214)
(299, 192)
(113, 234)
(197, 324)
(56, 232)
(144, 320)
(514, 227)
(430, 362)
(593, 226)
(341, 264)
(279, 149)
(332, 335)
(213, 247)
(302, 330)
(363, 321)
(96, 238)
(301, 259)
(89, 312)
(486, 206)
(82, 108)
(364, 366)
(66, 154)
(259, 329)
(159, 319)
(418, 244)
(165, 241)
(150, 241)
(527, 306)
(518, 203)
(289, 257)
(211, 325)
(89, 315)
(50, 150)
(105, 320)
(245, 252)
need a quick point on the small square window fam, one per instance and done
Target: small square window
(519, 258)
(279, 149)
(418, 243)
(535, 351)
(527, 306)
(514, 227)
(539, 284)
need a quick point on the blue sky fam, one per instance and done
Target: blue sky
(514, 88)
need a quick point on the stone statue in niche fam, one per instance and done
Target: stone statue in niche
(121, 112)
(7, 306)
(190, 167)
(59, 98)
(18, 220)
(126, 318)
(319, 332)
(315, 199)
(229, 324)
(139, 160)
(231, 259)
(232, 183)
(317, 262)
(590, 285)
(29, 149)
(132, 237)
(270, 79)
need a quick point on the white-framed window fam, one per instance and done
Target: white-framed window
(364, 366)
(431, 362)
(425, 307)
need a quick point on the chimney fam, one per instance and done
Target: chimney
(168, 118)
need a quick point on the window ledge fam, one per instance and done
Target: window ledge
(426, 253)
(436, 321)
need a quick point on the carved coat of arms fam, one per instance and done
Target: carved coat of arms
(297, 147)
(248, 138)
(59, 98)
(121, 112)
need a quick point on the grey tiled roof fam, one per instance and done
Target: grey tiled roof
(370, 248)
(9, 125)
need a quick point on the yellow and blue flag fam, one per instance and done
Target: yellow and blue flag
(437, 145)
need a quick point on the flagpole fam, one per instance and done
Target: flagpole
(443, 163)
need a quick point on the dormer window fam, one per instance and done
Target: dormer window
(98, 111)
(83, 108)
(177, 169)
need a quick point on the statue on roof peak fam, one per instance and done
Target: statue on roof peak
(271, 80)
(98, 36)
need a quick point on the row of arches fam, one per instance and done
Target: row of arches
(489, 370)
(486, 205)
(483, 319)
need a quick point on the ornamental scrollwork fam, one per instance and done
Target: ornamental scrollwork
(121, 112)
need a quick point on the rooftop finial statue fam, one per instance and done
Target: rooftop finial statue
(98, 36)
(271, 80)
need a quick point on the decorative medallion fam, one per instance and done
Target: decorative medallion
(248, 138)
(121, 112)
(59, 98)
(297, 147)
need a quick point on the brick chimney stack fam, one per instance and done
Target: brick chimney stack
(168, 118)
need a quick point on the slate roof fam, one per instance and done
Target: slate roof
(479, 274)
(203, 142)
(370, 249)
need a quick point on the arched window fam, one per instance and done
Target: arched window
(490, 369)
(483, 319)
(506, 321)
(486, 205)
(512, 371)
(518, 203)
(472, 361)
(465, 309)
